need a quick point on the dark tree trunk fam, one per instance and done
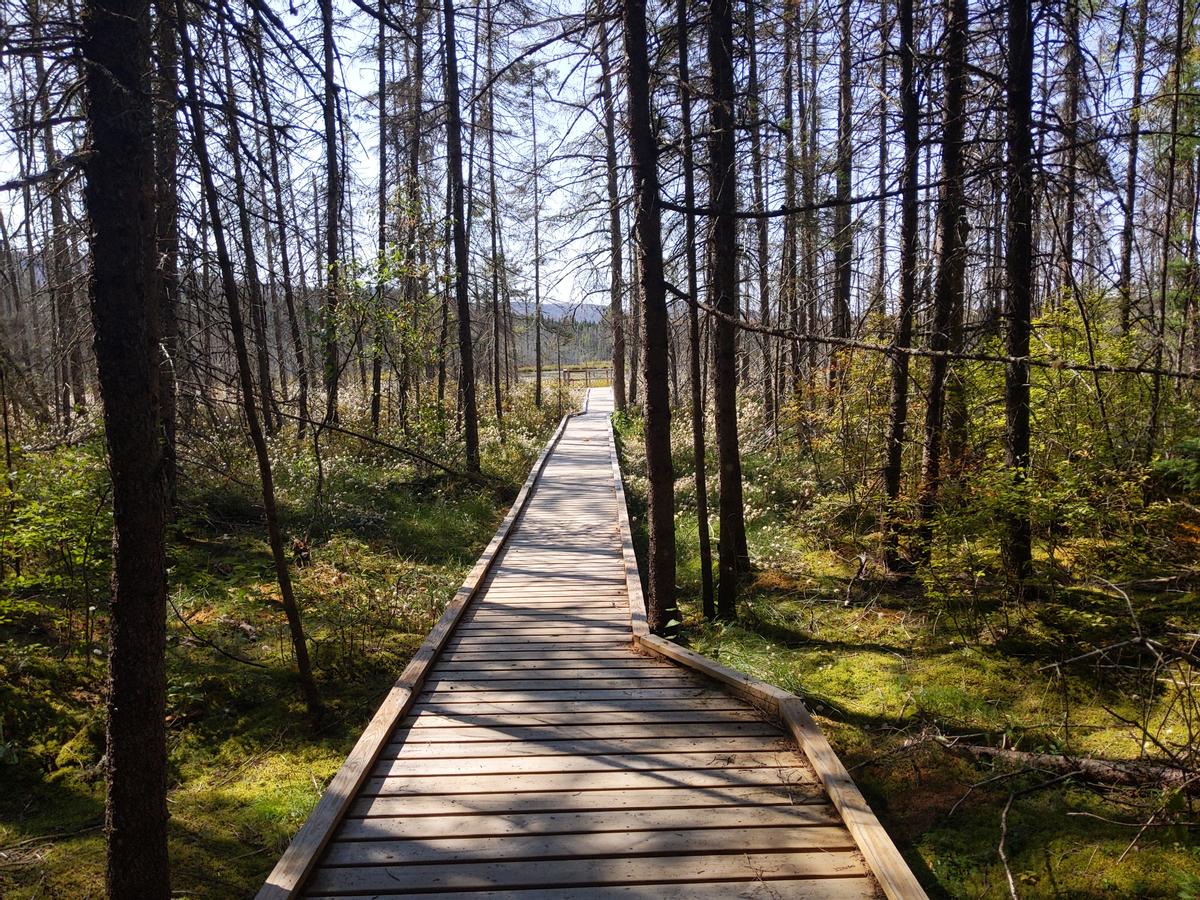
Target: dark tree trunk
(1019, 276)
(466, 378)
(731, 547)
(843, 240)
(124, 294)
(948, 289)
(381, 211)
(898, 413)
(660, 600)
(764, 259)
(615, 288)
(166, 139)
(537, 261)
(694, 343)
(333, 206)
(1131, 165)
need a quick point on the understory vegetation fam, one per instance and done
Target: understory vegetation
(971, 718)
(375, 560)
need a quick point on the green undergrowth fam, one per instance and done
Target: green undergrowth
(374, 563)
(895, 670)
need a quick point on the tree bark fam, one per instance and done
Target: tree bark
(660, 599)
(695, 378)
(124, 293)
(948, 289)
(732, 558)
(615, 287)
(333, 205)
(1131, 185)
(466, 378)
(1018, 537)
(898, 412)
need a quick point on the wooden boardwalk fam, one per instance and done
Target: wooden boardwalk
(535, 754)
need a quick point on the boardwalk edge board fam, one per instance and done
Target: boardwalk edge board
(883, 859)
(287, 878)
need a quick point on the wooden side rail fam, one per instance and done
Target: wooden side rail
(884, 860)
(289, 874)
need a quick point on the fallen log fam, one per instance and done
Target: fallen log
(1115, 772)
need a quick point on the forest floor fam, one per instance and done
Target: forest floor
(384, 554)
(902, 666)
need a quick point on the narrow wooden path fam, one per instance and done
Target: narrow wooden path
(537, 755)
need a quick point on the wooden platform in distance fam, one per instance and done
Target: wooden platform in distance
(542, 757)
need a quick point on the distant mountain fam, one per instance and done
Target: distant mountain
(559, 312)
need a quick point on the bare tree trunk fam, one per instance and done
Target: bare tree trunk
(764, 258)
(124, 292)
(381, 210)
(842, 237)
(615, 289)
(1019, 270)
(308, 686)
(466, 378)
(694, 343)
(537, 266)
(289, 299)
(494, 221)
(948, 290)
(732, 558)
(1135, 119)
(258, 319)
(660, 599)
(898, 414)
(333, 206)
(1160, 315)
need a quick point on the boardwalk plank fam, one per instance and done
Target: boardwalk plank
(467, 876)
(543, 757)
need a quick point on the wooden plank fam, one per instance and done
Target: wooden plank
(550, 683)
(435, 720)
(885, 861)
(718, 818)
(575, 800)
(560, 697)
(597, 781)
(606, 870)
(708, 730)
(301, 854)
(858, 888)
(523, 706)
(566, 663)
(715, 748)
(422, 765)
(500, 676)
(625, 845)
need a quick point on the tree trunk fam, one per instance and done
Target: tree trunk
(124, 292)
(764, 258)
(466, 379)
(898, 413)
(694, 343)
(615, 289)
(166, 141)
(732, 557)
(843, 246)
(1019, 275)
(333, 206)
(537, 264)
(289, 299)
(1135, 119)
(258, 317)
(948, 290)
(660, 599)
